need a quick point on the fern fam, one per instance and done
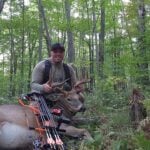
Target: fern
(142, 142)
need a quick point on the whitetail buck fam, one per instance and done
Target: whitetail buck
(15, 121)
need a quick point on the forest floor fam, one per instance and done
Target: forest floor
(111, 130)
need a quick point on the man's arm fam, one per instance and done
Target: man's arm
(37, 78)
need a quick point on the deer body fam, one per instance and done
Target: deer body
(14, 127)
(15, 121)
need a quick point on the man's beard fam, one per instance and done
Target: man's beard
(58, 60)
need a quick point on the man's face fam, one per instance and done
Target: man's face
(57, 56)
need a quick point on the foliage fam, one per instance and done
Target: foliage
(142, 142)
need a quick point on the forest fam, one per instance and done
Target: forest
(107, 41)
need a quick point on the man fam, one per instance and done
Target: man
(54, 70)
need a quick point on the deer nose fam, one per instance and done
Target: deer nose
(82, 109)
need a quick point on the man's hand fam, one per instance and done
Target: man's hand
(47, 88)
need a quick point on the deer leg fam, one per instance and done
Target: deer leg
(76, 132)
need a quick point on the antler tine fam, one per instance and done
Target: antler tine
(56, 84)
(83, 81)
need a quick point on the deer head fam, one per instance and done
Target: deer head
(72, 101)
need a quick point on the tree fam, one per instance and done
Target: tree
(2, 2)
(101, 39)
(71, 50)
(143, 64)
(47, 36)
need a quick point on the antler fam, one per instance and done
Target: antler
(78, 86)
(83, 81)
(56, 84)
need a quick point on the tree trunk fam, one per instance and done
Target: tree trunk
(91, 53)
(11, 91)
(125, 22)
(48, 38)
(2, 2)
(144, 78)
(31, 47)
(71, 50)
(11, 83)
(40, 35)
(101, 39)
(23, 48)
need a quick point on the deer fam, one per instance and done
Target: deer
(16, 119)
